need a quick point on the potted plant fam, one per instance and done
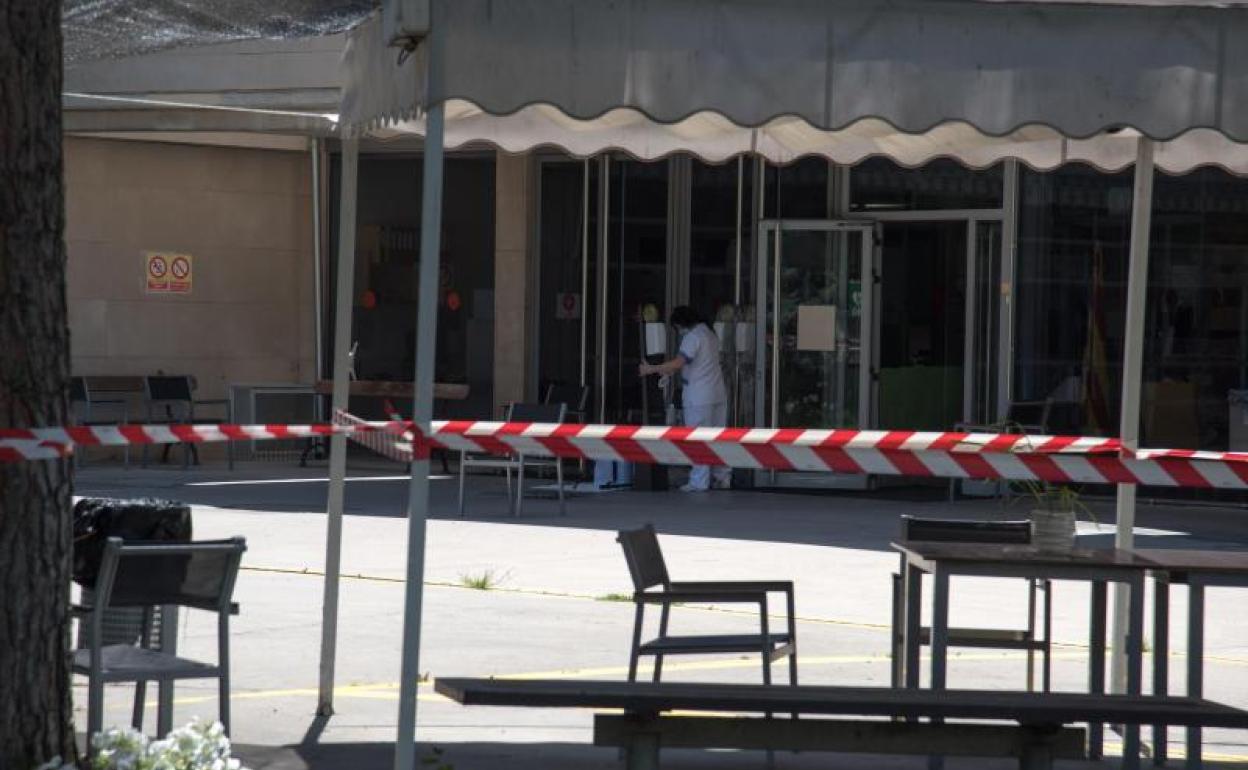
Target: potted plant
(1053, 516)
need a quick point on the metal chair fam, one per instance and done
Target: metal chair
(83, 405)
(963, 531)
(197, 575)
(575, 397)
(549, 413)
(1026, 417)
(649, 571)
(174, 396)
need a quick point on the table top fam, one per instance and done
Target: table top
(1003, 705)
(1191, 560)
(1001, 553)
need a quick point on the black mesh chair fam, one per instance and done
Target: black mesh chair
(653, 586)
(197, 575)
(1031, 418)
(170, 400)
(548, 413)
(89, 409)
(574, 397)
(962, 531)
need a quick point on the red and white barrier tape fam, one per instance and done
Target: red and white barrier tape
(949, 455)
(904, 453)
(50, 443)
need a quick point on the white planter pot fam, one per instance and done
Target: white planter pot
(1053, 531)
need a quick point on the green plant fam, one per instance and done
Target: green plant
(614, 597)
(1047, 496)
(483, 581)
(434, 759)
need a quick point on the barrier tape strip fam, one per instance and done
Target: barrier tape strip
(1077, 459)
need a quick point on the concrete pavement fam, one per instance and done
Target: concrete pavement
(548, 611)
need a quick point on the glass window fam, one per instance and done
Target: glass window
(561, 307)
(1196, 324)
(797, 191)
(879, 184)
(637, 275)
(387, 253)
(714, 258)
(1074, 231)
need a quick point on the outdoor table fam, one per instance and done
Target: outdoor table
(1096, 566)
(1197, 569)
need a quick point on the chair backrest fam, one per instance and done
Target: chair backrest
(1033, 415)
(146, 573)
(78, 389)
(644, 557)
(576, 397)
(965, 531)
(536, 412)
(168, 388)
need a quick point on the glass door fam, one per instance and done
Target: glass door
(814, 344)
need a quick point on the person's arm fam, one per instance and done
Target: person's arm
(665, 368)
(688, 349)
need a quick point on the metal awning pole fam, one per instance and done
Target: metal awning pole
(338, 442)
(1132, 374)
(422, 408)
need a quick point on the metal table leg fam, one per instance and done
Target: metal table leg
(1161, 657)
(1135, 669)
(913, 588)
(1195, 662)
(940, 642)
(1096, 664)
(168, 644)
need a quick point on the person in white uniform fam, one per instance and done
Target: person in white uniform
(705, 399)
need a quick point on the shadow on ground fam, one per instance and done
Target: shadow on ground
(861, 520)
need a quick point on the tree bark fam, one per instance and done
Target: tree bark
(36, 716)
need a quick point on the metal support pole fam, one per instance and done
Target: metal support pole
(1132, 373)
(318, 278)
(338, 443)
(584, 277)
(422, 407)
(604, 200)
(1008, 288)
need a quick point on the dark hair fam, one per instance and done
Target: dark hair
(686, 317)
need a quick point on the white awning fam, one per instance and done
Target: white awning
(1043, 82)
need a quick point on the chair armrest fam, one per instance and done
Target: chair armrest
(718, 597)
(80, 610)
(785, 586)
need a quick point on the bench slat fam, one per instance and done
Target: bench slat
(996, 705)
(970, 740)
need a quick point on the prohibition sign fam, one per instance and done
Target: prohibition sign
(157, 267)
(180, 267)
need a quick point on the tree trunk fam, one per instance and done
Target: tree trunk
(36, 716)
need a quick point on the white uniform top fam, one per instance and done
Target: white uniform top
(704, 380)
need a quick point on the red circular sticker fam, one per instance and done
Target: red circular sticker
(157, 267)
(181, 267)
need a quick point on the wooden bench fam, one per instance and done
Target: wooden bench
(1039, 733)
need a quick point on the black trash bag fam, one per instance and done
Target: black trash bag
(98, 518)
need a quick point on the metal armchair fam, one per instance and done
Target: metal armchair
(518, 462)
(197, 575)
(653, 586)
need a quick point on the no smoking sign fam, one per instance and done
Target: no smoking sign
(167, 273)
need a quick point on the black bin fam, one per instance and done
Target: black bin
(95, 519)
